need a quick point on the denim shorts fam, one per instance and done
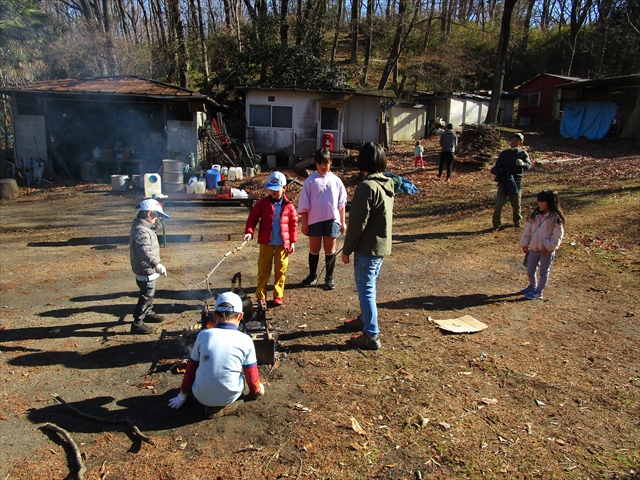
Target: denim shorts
(328, 228)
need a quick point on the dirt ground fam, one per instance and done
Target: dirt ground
(551, 389)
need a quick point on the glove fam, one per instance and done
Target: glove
(519, 163)
(161, 270)
(178, 401)
(247, 237)
(261, 391)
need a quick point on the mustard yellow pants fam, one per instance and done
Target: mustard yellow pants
(271, 254)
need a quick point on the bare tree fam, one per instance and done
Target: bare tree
(355, 29)
(336, 37)
(501, 61)
(368, 40)
(402, 33)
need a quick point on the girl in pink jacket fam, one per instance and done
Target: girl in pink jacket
(540, 240)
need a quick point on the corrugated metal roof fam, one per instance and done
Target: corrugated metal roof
(350, 91)
(124, 85)
(561, 77)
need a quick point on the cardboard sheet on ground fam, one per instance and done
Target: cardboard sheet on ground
(466, 324)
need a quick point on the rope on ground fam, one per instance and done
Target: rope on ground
(76, 451)
(117, 421)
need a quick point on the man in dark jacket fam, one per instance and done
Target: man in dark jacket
(508, 170)
(448, 143)
(144, 253)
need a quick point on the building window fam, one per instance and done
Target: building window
(282, 117)
(530, 100)
(270, 116)
(329, 119)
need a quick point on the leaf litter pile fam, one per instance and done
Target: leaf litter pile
(551, 389)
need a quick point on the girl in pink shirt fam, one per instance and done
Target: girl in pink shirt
(322, 205)
(541, 238)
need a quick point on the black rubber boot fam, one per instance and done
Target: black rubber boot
(330, 265)
(313, 268)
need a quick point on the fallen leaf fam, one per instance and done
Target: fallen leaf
(489, 401)
(356, 427)
(444, 425)
(540, 404)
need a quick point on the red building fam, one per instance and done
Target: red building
(541, 100)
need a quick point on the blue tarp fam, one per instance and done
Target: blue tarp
(589, 119)
(402, 185)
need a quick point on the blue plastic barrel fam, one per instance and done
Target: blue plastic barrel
(213, 177)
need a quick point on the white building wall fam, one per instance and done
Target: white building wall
(408, 123)
(298, 140)
(456, 113)
(362, 122)
(30, 137)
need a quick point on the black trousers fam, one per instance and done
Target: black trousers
(446, 159)
(145, 299)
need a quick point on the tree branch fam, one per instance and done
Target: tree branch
(76, 451)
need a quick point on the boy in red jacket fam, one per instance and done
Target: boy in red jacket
(277, 236)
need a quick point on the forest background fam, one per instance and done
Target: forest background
(407, 45)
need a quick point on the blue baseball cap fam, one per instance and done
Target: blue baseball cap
(276, 181)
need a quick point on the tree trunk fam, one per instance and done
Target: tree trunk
(203, 43)
(355, 29)
(334, 49)
(527, 24)
(399, 40)
(284, 22)
(501, 61)
(299, 23)
(427, 34)
(183, 53)
(443, 20)
(367, 49)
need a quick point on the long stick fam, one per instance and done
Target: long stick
(116, 421)
(76, 451)
(231, 252)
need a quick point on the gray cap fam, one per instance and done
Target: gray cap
(519, 135)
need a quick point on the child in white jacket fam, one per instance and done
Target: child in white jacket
(540, 240)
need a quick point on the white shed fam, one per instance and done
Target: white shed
(411, 121)
(293, 121)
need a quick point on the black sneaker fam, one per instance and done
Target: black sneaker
(354, 325)
(307, 282)
(154, 318)
(365, 342)
(329, 284)
(142, 328)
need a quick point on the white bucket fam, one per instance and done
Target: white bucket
(238, 173)
(250, 172)
(271, 162)
(120, 183)
(200, 186)
(152, 185)
(232, 174)
(96, 152)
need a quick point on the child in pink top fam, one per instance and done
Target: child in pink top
(322, 205)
